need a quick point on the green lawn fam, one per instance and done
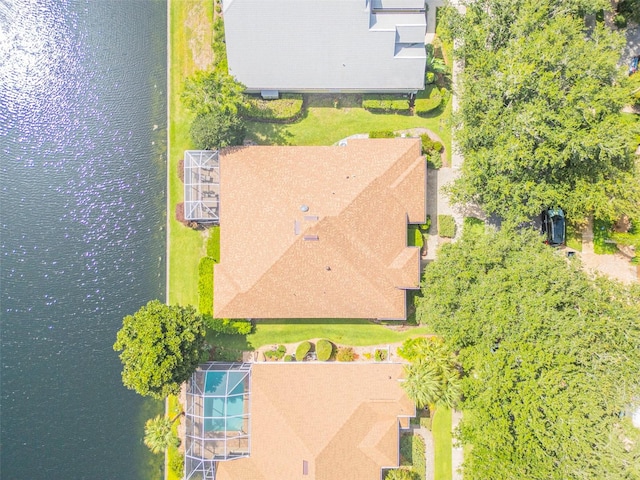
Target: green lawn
(326, 125)
(186, 245)
(441, 428)
(602, 243)
(343, 331)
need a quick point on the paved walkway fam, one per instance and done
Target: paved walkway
(456, 452)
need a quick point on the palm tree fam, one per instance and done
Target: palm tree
(158, 435)
(423, 383)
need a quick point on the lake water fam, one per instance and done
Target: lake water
(82, 218)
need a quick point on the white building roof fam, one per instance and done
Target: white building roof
(326, 45)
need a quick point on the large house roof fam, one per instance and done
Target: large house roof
(326, 45)
(345, 255)
(341, 419)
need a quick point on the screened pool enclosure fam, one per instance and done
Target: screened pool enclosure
(201, 186)
(217, 420)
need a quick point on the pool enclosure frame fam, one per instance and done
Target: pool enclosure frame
(202, 186)
(203, 447)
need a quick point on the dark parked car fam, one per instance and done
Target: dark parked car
(554, 226)
(633, 65)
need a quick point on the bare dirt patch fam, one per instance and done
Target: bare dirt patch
(200, 30)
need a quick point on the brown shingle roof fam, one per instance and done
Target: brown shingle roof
(346, 257)
(340, 418)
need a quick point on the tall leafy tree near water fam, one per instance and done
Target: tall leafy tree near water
(160, 348)
(539, 121)
(550, 358)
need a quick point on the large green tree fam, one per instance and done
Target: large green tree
(160, 348)
(217, 130)
(539, 120)
(212, 91)
(550, 358)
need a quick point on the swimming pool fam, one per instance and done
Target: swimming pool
(223, 401)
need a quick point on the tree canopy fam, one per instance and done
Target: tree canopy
(539, 120)
(160, 348)
(212, 91)
(217, 130)
(550, 358)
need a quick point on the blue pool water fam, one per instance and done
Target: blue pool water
(227, 385)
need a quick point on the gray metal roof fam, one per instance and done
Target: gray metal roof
(326, 45)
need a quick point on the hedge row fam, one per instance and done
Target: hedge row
(228, 326)
(205, 285)
(213, 243)
(385, 103)
(285, 109)
(382, 134)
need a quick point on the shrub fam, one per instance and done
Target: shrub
(620, 21)
(427, 100)
(324, 350)
(210, 131)
(473, 225)
(303, 349)
(380, 355)
(228, 326)
(400, 474)
(426, 225)
(430, 146)
(288, 358)
(285, 109)
(176, 464)
(434, 160)
(415, 237)
(213, 244)
(276, 354)
(346, 354)
(385, 103)
(205, 286)
(446, 226)
(367, 356)
(382, 134)
(430, 78)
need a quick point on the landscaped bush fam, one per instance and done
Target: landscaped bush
(400, 474)
(380, 355)
(426, 225)
(430, 78)
(228, 326)
(276, 354)
(205, 286)
(382, 134)
(176, 464)
(213, 244)
(415, 237)
(303, 349)
(324, 350)
(285, 109)
(288, 358)
(385, 103)
(434, 160)
(446, 226)
(429, 146)
(346, 354)
(427, 100)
